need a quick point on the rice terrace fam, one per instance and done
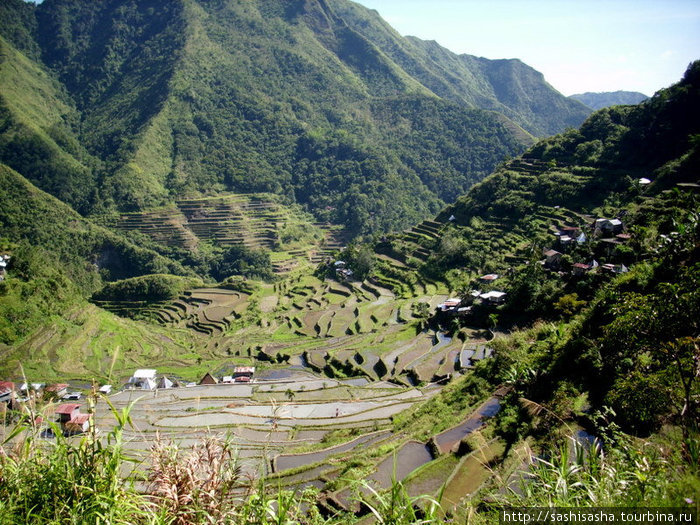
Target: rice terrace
(270, 261)
(337, 361)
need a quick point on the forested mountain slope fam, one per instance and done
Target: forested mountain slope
(614, 98)
(625, 300)
(507, 86)
(319, 101)
(58, 257)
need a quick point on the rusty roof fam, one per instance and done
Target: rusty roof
(67, 408)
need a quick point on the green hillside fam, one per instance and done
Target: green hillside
(445, 318)
(59, 257)
(370, 394)
(506, 86)
(37, 136)
(305, 100)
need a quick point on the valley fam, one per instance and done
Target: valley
(272, 262)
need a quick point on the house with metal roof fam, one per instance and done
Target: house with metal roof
(143, 379)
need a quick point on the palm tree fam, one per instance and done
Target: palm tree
(493, 318)
(290, 394)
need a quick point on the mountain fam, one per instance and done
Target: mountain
(614, 98)
(611, 312)
(320, 101)
(507, 86)
(563, 355)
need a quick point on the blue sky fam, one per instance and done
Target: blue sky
(579, 45)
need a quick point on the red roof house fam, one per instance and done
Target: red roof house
(71, 420)
(243, 374)
(80, 423)
(67, 412)
(7, 391)
(59, 389)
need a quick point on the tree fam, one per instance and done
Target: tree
(568, 304)
(289, 394)
(493, 320)
(421, 310)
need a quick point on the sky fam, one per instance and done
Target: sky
(579, 45)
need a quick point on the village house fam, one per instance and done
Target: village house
(208, 379)
(31, 389)
(565, 241)
(552, 259)
(66, 412)
(607, 226)
(243, 374)
(71, 420)
(607, 246)
(463, 311)
(571, 231)
(449, 304)
(567, 235)
(56, 390)
(488, 278)
(493, 297)
(143, 379)
(580, 269)
(615, 268)
(7, 392)
(164, 382)
(344, 273)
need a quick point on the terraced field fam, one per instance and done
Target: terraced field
(298, 429)
(336, 360)
(336, 328)
(252, 220)
(264, 427)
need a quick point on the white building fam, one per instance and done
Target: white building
(144, 379)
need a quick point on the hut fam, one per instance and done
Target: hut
(208, 379)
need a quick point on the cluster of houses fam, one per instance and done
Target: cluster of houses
(610, 232)
(68, 415)
(342, 271)
(13, 394)
(4, 262)
(463, 307)
(147, 379)
(70, 418)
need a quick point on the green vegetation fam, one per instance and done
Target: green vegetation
(59, 258)
(148, 130)
(603, 100)
(239, 260)
(146, 288)
(334, 120)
